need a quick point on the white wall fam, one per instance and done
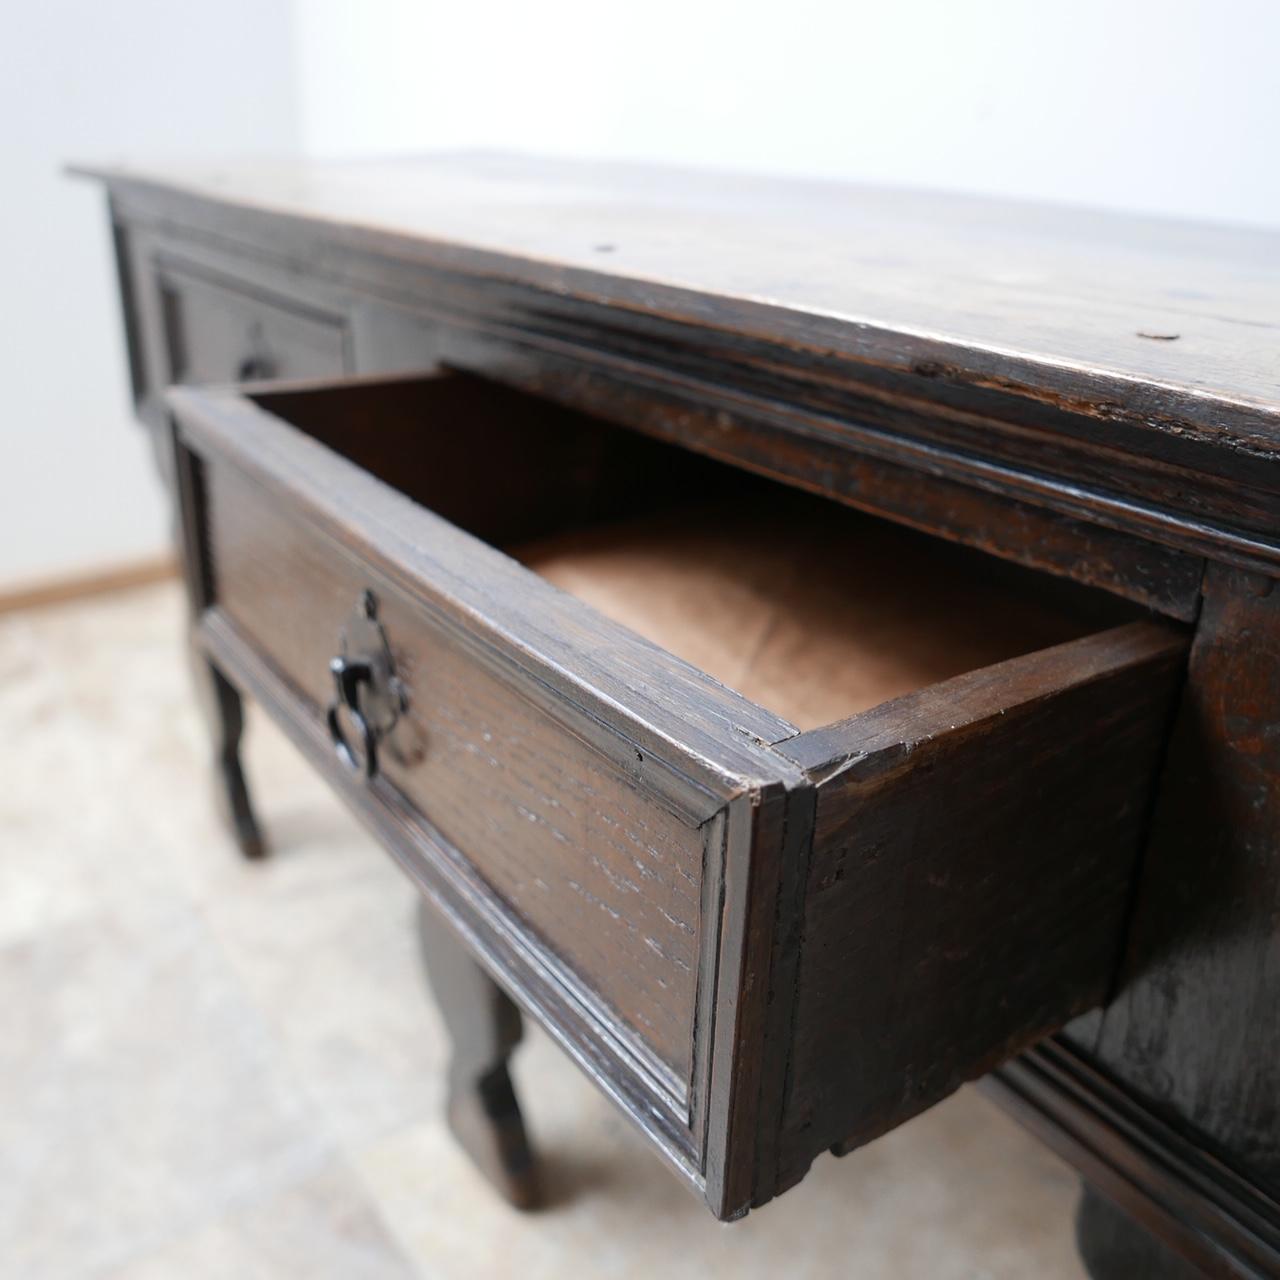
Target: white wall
(1166, 106)
(86, 80)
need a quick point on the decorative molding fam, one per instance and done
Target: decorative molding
(1105, 452)
(1173, 1187)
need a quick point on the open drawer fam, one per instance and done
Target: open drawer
(783, 820)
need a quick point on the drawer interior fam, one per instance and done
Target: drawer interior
(806, 607)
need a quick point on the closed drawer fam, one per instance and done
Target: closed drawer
(219, 330)
(784, 821)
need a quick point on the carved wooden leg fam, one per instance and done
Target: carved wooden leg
(1114, 1247)
(219, 699)
(485, 1027)
(224, 713)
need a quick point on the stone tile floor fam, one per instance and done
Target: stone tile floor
(215, 1069)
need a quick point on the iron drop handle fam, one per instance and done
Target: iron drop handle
(369, 698)
(255, 369)
(349, 675)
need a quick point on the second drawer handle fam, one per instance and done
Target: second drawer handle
(255, 369)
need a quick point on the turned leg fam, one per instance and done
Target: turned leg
(1114, 1247)
(484, 1027)
(224, 715)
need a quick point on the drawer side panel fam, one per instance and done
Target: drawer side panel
(970, 875)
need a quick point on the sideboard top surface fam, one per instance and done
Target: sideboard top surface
(1069, 306)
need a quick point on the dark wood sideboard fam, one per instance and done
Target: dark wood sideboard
(1041, 450)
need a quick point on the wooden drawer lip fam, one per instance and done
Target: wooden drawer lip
(687, 795)
(959, 704)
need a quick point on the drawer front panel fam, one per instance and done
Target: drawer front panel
(216, 333)
(605, 876)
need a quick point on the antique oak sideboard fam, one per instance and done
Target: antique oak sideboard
(811, 646)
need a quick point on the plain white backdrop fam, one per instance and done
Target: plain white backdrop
(1162, 106)
(1170, 108)
(82, 80)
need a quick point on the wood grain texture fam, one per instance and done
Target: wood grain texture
(966, 890)
(1195, 1027)
(641, 826)
(1069, 293)
(913, 446)
(491, 932)
(767, 836)
(1033, 387)
(896, 450)
(972, 369)
(607, 876)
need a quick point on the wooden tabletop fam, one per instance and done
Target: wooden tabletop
(1030, 295)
